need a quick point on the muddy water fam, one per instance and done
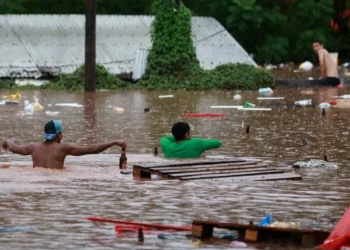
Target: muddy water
(55, 203)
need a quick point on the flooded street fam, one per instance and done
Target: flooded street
(55, 203)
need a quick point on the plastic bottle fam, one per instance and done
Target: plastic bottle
(303, 102)
(248, 105)
(265, 90)
(123, 160)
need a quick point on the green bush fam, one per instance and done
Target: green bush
(75, 81)
(226, 76)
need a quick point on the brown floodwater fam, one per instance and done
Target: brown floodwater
(55, 203)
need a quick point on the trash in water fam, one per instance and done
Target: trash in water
(170, 236)
(228, 236)
(344, 97)
(75, 105)
(281, 224)
(324, 105)
(303, 102)
(265, 90)
(310, 78)
(118, 110)
(255, 109)
(16, 229)
(31, 107)
(306, 66)
(314, 164)
(248, 105)
(238, 244)
(266, 221)
(52, 113)
(333, 102)
(13, 96)
(227, 107)
(166, 96)
(237, 97)
(270, 98)
(12, 102)
(37, 105)
(2, 102)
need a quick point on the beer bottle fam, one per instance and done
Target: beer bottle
(123, 160)
(155, 152)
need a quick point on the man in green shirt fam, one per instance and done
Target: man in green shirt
(181, 145)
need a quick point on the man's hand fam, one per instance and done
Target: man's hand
(5, 146)
(120, 143)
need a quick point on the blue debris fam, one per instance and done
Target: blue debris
(267, 221)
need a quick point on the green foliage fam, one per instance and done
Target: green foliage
(226, 76)
(308, 20)
(272, 50)
(172, 61)
(172, 50)
(75, 81)
(256, 28)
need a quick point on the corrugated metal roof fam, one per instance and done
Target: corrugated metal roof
(140, 63)
(32, 44)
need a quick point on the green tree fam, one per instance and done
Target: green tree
(308, 20)
(172, 52)
(257, 29)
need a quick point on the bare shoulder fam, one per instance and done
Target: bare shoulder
(323, 52)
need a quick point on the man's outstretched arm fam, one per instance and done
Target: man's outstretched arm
(14, 148)
(71, 149)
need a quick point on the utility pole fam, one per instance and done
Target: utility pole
(90, 46)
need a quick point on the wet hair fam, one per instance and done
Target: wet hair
(179, 130)
(317, 41)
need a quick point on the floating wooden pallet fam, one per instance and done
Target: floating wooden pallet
(236, 169)
(253, 233)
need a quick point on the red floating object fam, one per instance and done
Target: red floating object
(339, 239)
(333, 102)
(205, 115)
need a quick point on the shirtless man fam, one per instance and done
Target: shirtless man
(52, 153)
(329, 71)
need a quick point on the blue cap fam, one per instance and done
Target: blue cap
(52, 128)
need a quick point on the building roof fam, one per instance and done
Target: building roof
(33, 44)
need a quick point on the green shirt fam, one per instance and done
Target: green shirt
(192, 148)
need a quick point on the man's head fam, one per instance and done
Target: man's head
(53, 131)
(317, 45)
(181, 131)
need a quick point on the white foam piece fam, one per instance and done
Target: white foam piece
(2, 102)
(227, 107)
(270, 98)
(256, 109)
(69, 105)
(166, 96)
(52, 113)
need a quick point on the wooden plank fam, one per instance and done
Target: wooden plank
(229, 171)
(203, 166)
(189, 163)
(209, 176)
(305, 237)
(209, 168)
(264, 177)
